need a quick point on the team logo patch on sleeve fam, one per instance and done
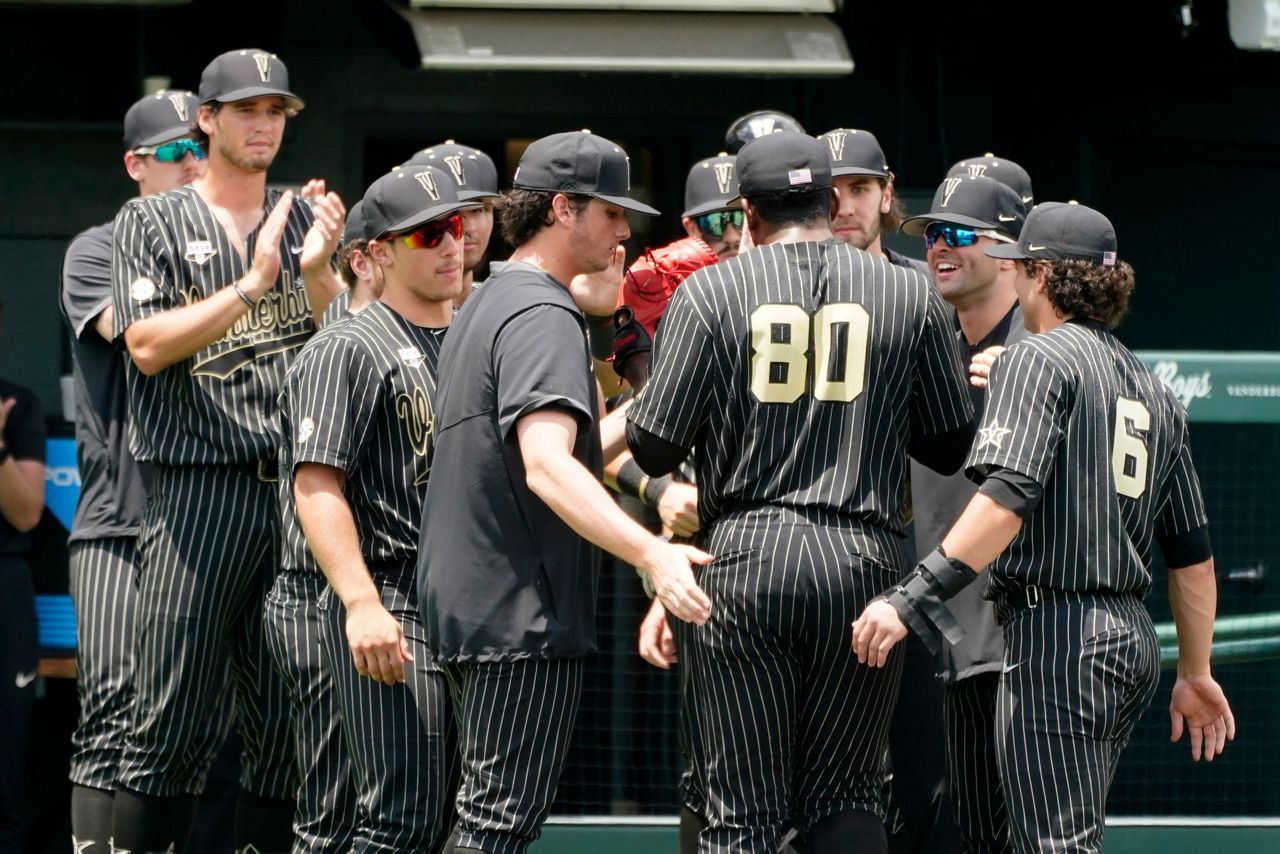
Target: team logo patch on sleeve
(993, 435)
(305, 428)
(199, 251)
(142, 289)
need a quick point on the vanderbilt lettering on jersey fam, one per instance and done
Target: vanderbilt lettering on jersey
(220, 405)
(365, 391)
(281, 321)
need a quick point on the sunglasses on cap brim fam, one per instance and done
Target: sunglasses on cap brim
(957, 236)
(173, 152)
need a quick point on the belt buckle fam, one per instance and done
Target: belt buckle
(265, 474)
(1032, 594)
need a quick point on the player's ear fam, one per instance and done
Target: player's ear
(690, 227)
(749, 216)
(380, 252)
(134, 166)
(562, 208)
(204, 117)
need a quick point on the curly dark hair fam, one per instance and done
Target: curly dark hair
(196, 133)
(523, 213)
(344, 260)
(1079, 288)
(891, 222)
(793, 206)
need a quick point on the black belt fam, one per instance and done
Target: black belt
(1029, 597)
(267, 471)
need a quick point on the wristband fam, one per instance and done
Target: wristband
(654, 489)
(600, 335)
(919, 598)
(243, 296)
(632, 481)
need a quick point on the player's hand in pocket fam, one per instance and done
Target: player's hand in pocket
(876, 632)
(669, 567)
(378, 647)
(980, 367)
(657, 642)
(1199, 706)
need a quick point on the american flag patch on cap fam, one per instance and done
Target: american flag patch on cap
(1108, 259)
(799, 176)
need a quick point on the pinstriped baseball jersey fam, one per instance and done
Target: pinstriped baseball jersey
(295, 554)
(363, 403)
(337, 308)
(1078, 413)
(799, 373)
(218, 406)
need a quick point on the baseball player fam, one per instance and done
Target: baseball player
(159, 156)
(214, 287)
(712, 221)
(507, 567)
(22, 449)
(361, 425)
(326, 814)
(477, 179)
(800, 373)
(866, 206)
(968, 215)
(1084, 459)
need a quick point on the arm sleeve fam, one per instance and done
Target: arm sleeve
(141, 273)
(331, 402)
(1012, 491)
(655, 455)
(940, 401)
(24, 429)
(541, 361)
(1185, 549)
(86, 280)
(673, 405)
(1028, 403)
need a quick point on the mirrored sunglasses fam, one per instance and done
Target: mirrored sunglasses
(429, 235)
(716, 222)
(173, 152)
(956, 236)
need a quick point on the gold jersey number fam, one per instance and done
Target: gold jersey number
(784, 336)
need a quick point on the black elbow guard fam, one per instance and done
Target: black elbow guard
(920, 598)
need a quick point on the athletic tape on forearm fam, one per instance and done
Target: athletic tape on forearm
(920, 598)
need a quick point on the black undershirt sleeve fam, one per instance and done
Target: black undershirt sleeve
(1013, 491)
(653, 453)
(943, 452)
(1185, 549)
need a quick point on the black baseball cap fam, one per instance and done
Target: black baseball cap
(855, 152)
(781, 162)
(579, 163)
(1005, 171)
(238, 75)
(353, 228)
(972, 203)
(159, 118)
(712, 185)
(409, 197)
(1056, 231)
(472, 170)
(756, 124)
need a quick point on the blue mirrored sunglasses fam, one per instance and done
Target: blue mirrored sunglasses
(173, 152)
(954, 235)
(716, 222)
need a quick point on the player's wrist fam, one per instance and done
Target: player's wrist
(253, 286)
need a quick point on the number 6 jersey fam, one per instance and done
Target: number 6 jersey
(801, 373)
(1075, 411)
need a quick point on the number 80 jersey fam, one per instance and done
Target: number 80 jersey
(1079, 414)
(798, 373)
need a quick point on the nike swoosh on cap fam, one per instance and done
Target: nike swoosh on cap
(1004, 218)
(1031, 247)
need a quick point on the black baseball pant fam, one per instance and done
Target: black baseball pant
(515, 719)
(207, 553)
(1080, 669)
(401, 738)
(325, 818)
(794, 728)
(18, 660)
(976, 793)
